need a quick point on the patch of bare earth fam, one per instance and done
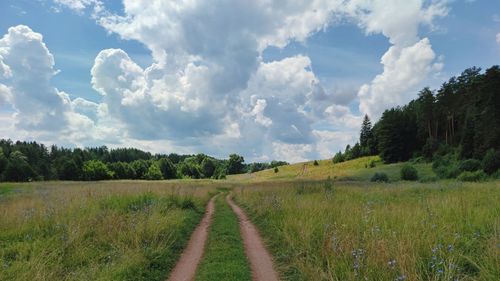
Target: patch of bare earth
(261, 261)
(185, 269)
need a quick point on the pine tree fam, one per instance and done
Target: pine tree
(366, 138)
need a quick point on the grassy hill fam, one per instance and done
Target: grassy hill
(357, 170)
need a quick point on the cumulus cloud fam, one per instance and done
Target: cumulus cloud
(404, 68)
(38, 109)
(30, 67)
(409, 60)
(208, 88)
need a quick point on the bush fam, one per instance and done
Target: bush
(491, 161)
(316, 163)
(372, 164)
(472, 176)
(380, 177)
(276, 169)
(409, 173)
(446, 166)
(469, 165)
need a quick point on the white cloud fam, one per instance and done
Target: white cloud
(79, 6)
(31, 66)
(409, 60)
(208, 88)
(404, 69)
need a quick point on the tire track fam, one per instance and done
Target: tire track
(261, 261)
(185, 269)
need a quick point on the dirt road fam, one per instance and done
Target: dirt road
(261, 262)
(185, 269)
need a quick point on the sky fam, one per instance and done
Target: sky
(267, 79)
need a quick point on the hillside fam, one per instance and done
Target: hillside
(356, 169)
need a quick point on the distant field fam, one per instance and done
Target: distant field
(365, 231)
(355, 170)
(96, 231)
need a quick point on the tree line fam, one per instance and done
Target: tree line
(460, 120)
(26, 161)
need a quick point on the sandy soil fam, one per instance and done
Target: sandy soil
(261, 262)
(185, 269)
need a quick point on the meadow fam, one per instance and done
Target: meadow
(353, 170)
(96, 230)
(364, 231)
(324, 222)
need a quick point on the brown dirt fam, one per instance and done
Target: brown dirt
(185, 269)
(261, 262)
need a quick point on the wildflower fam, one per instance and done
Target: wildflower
(401, 278)
(392, 263)
(450, 248)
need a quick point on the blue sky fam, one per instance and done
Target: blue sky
(294, 86)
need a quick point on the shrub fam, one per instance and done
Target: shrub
(276, 169)
(372, 164)
(316, 163)
(409, 173)
(491, 161)
(446, 166)
(472, 176)
(469, 165)
(380, 177)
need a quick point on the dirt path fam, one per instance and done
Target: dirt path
(261, 262)
(185, 269)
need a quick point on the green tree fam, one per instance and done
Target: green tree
(140, 167)
(208, 167)
(235, 164)
(17, 168)
(3, 162)
(425, 113)
(67, 169)
(167, 168)
(122, 170)
(338, 158)
(190, 170)
(396, 134)
(367, 141)
(153, 173)
(94, 170)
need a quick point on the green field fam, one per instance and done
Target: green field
(344, 228)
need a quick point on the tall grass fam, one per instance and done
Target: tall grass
(407, 231)
(96, 231)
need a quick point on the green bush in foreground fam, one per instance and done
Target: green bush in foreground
(380, 177)
(409, 173)
(472, 176)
